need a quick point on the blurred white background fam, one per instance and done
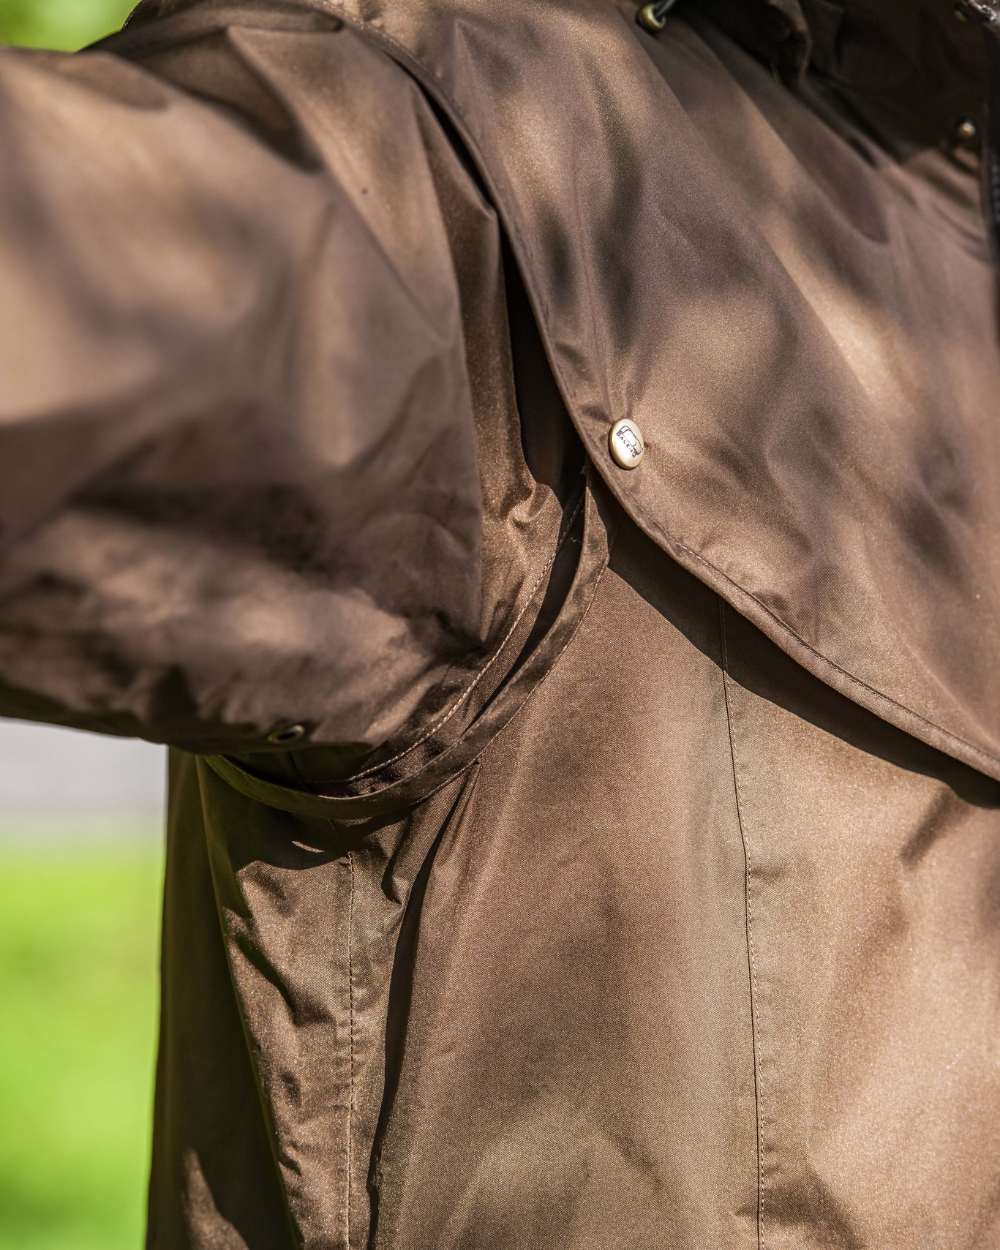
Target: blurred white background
(54, 780)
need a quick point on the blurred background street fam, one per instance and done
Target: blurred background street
(80, 868)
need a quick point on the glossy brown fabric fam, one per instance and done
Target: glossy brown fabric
(636, 879)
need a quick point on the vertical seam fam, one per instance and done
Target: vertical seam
(265, 1104)
(748, 898)
(533, 592)
(350, 1076)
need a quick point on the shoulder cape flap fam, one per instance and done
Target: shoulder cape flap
(858, 532)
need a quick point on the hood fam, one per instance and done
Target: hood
(914, 70)
(918, 75)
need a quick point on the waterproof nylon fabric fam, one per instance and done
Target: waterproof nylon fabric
(636, 880)
(247, 429)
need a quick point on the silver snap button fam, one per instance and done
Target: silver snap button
(286, 734)
(627, 444)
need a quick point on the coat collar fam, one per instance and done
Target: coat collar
(913, 70)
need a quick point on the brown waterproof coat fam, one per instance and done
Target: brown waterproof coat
(562, 855)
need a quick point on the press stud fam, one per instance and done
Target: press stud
(966, 133)
(626, 444)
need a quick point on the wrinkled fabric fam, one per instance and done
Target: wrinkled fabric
(245, 390)
(635, 878)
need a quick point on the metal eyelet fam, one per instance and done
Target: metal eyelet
(652, 18)
(286, 734)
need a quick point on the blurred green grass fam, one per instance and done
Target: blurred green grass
(79, 927)
(78, 938)
(65, 24)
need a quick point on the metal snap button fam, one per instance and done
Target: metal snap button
(966, 133)
(626, 443)
(286, 734)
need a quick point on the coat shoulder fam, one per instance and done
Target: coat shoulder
(708, 259)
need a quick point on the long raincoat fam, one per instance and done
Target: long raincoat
(537, 464)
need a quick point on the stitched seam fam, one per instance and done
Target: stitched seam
(591, 301)
(611, 533)
(224, 767)
(272, 1133)
(551, 669)
(876, 694)
(440, 724)
(430, 80)
(751, 949)
(350, 996)
(555, 659)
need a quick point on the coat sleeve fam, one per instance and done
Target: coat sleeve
(238, 467)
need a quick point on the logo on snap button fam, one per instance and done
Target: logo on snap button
(627, 444)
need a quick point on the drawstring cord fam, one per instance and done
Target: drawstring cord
(654, 16)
